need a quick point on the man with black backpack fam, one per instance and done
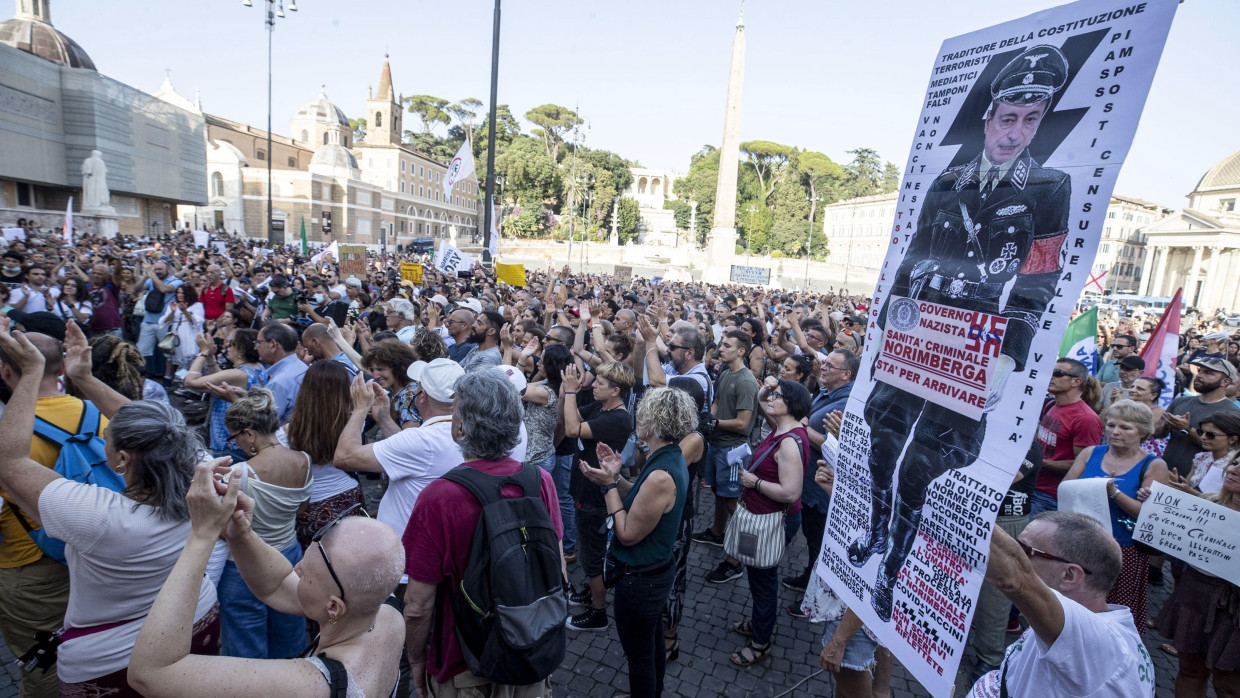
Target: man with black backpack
(160, 289)
(34, 587)
(485, 605)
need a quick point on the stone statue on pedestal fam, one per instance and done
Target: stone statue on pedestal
(95, 182)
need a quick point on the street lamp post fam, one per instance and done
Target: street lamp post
(749, 241)
(275, 8)
(813, 208)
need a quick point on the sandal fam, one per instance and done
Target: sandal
(743, 628)
(671, 648)
(750, 654)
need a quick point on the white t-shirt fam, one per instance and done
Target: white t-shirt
(1097, 654)
(119, 556)
(36, 303)
(412, 459)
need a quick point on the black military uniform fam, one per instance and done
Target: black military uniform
(986, 241)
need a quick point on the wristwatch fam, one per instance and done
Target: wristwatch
(604, 489)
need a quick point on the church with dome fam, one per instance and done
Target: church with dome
(377, 190)
(1197, 248)
(57, 110)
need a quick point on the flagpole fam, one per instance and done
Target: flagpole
(490, 191)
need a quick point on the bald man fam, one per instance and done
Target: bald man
(319, 344)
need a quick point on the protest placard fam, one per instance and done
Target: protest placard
(1192, 529)
(623, 274)
(449, 260)
(1023, 129)
(511, 274)
(12, 234)
(750, 275)
(411, 271)
(352, 260)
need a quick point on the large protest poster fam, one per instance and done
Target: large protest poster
(352, 260)
(1023, 130)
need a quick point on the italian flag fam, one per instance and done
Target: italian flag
(1080, 342)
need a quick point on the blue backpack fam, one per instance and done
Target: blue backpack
(82, 459)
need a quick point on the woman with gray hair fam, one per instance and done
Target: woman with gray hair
(119, 546)
(1131, 471)
(645, 516)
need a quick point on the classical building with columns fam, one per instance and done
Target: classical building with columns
(1198, 247)
(651, 189)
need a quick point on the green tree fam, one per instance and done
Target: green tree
(528, 221)
(699, 185)
(530, 173)
(891, 178)
(821, 175)
(553, 122)
(430, 110)
(466, 112)
(755, 220)
(628, 220)
(681, 210)
(507, 128)
(359, 129)
(768, 160)
(865, 175)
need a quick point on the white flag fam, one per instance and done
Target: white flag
(461, 167)
(450, 260)
(69, 222)
(494, 247)
(332, 249)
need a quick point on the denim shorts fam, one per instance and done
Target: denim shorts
(858, 653)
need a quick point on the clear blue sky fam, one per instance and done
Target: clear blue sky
(649, 75)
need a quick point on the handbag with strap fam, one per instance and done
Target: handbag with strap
(757, 540)
(168, 343)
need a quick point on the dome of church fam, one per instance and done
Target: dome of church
(1224, 175)
(334, 155)
(45, 41)
(321, 110)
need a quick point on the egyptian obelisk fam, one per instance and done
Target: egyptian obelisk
(721, 243)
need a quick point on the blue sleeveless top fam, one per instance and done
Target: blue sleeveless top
(1128, 483)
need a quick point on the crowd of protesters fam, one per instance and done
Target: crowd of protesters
(241, 533)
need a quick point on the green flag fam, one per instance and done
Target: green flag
(304, 247)
(1080, 342)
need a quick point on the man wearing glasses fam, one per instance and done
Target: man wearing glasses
(1058, 573)
(1122, 347)
(1066, 428)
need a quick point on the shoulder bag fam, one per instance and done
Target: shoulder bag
(757, 540)
(168, 343)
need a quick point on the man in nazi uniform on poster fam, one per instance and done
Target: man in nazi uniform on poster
(989, 238)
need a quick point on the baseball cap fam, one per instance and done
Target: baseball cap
(1211, 362)
(437, 378)
(439, 298)
(472, 304)
(41, 322)
(1132, 362)
(1220, 336)
(514, 376)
